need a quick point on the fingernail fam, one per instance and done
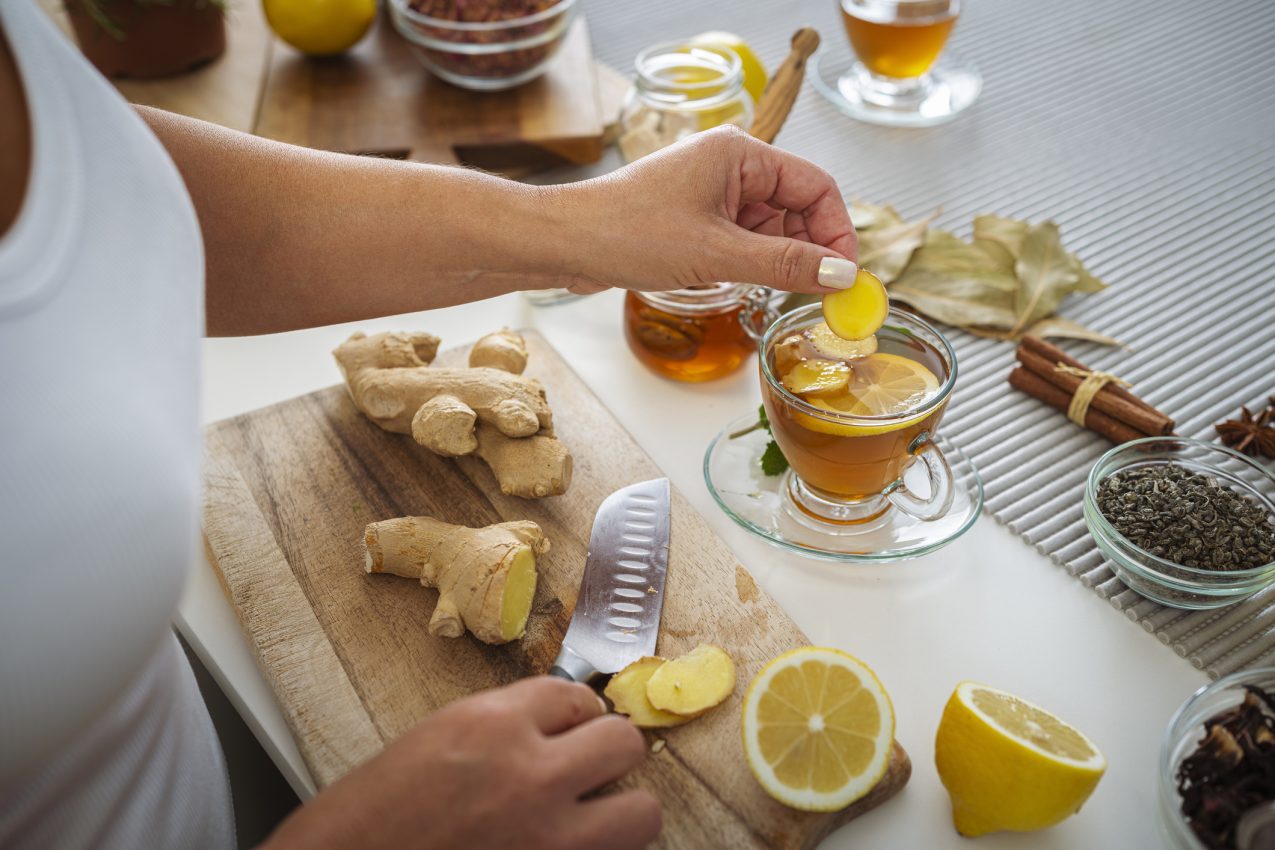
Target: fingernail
(603, 703)
(836, 273)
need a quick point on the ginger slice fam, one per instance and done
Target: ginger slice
(691, 685)
(788, 354)
(486, 577)
(627, 692)
(860, 311)
(817, 377)
(827, 345)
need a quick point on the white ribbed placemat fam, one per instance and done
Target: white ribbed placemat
(1146, 129)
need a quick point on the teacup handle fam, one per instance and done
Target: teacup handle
(942, 483)
(758, 310)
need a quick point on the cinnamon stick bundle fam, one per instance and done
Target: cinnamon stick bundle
(1114, 412)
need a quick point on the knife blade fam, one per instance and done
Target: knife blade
(617, 615)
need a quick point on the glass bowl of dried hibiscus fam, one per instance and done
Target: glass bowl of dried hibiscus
(1186, 523)
(1217, 766)
(484, 45)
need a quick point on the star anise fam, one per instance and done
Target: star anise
(1253, 435)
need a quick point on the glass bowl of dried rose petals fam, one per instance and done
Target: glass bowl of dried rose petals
(484, 45)
(1186, 523)
(1217, 765)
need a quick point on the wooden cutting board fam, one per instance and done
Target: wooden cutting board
(378, 98)
(288, 491)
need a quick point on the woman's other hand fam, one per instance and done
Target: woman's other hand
(506, 768)
(719, 206)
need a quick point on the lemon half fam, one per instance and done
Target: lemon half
(1010, 765)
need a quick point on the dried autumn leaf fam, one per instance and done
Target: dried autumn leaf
(1046, 275)
(1057, 327)
(885, 251)
(958, 283)
(866, 216)
(1088, 283)
(1008, 233)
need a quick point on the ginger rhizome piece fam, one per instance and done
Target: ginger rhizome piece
(860, 311)
(627, 692)
(486, 577)
(489, 409)
(694, 683)
(656, 693)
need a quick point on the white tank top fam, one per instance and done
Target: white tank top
(104, 740)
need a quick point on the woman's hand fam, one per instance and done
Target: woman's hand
(505, 768)
(719, 206)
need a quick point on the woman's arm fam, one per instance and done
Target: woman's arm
(295, 238)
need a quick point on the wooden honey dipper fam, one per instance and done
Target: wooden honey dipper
(781, 93)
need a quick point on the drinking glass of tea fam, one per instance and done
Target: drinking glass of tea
(895, 76)
(850, 442)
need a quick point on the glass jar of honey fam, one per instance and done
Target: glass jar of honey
(679, 90)
(694, 334)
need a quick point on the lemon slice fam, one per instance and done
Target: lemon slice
(818, 728)
(859, 311)
(882, 384)
(1008, 764)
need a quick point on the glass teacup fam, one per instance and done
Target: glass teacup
(849, 469)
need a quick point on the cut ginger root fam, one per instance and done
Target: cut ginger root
(627, 692)
(859, 311)
(656, 693)
(691, 685)
(489, 410)
(821, 342)
(486, 577)
(817, 377)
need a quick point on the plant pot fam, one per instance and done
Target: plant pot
(149, 38)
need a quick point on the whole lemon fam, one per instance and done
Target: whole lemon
(320, 27)
(754, 71)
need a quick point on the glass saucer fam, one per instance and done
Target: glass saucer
(952, 85)
(732, 470)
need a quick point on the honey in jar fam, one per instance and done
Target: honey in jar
(688, 335)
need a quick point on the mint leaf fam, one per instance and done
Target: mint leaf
(761, 417)
(773, 461)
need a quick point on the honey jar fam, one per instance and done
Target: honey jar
(694, 334)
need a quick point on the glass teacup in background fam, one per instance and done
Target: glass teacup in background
(849, 470)
(895, 79)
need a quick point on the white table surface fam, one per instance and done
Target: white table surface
(986, 608)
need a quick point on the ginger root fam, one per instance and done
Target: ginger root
(656, 693)
(489, 410)
(627, 692)
(486, 577)
(691, 685)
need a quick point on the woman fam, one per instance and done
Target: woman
(122, 240)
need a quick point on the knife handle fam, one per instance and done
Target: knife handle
(570, 666)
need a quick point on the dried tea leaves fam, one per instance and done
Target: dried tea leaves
(1231, 771)
(1188, 518)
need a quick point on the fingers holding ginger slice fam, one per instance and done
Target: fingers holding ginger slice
(656, 693)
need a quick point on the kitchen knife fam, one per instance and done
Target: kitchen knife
(617, 615)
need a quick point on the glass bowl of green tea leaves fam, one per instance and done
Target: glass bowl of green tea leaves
(1217, 766)
(1186, 523)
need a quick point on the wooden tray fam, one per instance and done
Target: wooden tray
(288, 491)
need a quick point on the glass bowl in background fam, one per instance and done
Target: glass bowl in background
(1184, 734)
(485, 55)
(1159, 579)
